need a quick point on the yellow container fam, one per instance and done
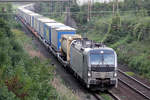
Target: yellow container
(66, 41)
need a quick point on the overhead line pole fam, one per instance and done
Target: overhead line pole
(117, 5)
(89, 10)
(113, 7)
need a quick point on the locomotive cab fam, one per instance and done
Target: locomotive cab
(94, 63)
(102, 68)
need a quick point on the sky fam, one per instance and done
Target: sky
(81, 2)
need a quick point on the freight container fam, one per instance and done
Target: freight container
(32, 18)
(19, 11)
(66, 42)
(57, 33)
(36, 22)
(22, 13)
(48, 28)
(41, 22)
(25, 14)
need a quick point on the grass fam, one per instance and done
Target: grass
(64, 91)
(23, 39)
(130, 73)
(106, 97)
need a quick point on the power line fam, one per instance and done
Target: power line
(84, 12)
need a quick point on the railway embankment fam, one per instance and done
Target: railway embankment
(34, 49)
(22, 77)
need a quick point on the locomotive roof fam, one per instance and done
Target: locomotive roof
(85, 44)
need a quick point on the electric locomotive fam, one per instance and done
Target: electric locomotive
(93, 63)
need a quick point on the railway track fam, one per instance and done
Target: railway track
(110, 93)
(135, 85)
(115, 97)
(97, 96)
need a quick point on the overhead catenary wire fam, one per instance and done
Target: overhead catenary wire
(99, 12)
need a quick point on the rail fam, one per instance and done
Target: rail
(97, 96)
(144, 85)
(134, 88)
(115, 97)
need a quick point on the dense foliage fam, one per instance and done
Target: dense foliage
(128, 33)
(21, 77)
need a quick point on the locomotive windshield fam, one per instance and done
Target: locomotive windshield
(105, 58)
(109, 59)
(96, 59)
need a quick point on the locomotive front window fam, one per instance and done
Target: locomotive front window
(109, 59)
(102, 59)
(96, 59)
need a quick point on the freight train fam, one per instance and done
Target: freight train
(94, 64)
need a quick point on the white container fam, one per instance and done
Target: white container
(48, 30)
(40, 22)
(56, 34)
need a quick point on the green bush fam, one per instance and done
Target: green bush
(141, 29)
(22, 77)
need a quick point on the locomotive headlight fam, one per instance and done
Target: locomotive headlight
(102, 52)
(115, 74)
(89, 74)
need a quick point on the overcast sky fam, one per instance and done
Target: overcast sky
(81, 2)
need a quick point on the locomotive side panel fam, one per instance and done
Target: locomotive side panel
(76, 61)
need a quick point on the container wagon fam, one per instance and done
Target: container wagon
(94, 64)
